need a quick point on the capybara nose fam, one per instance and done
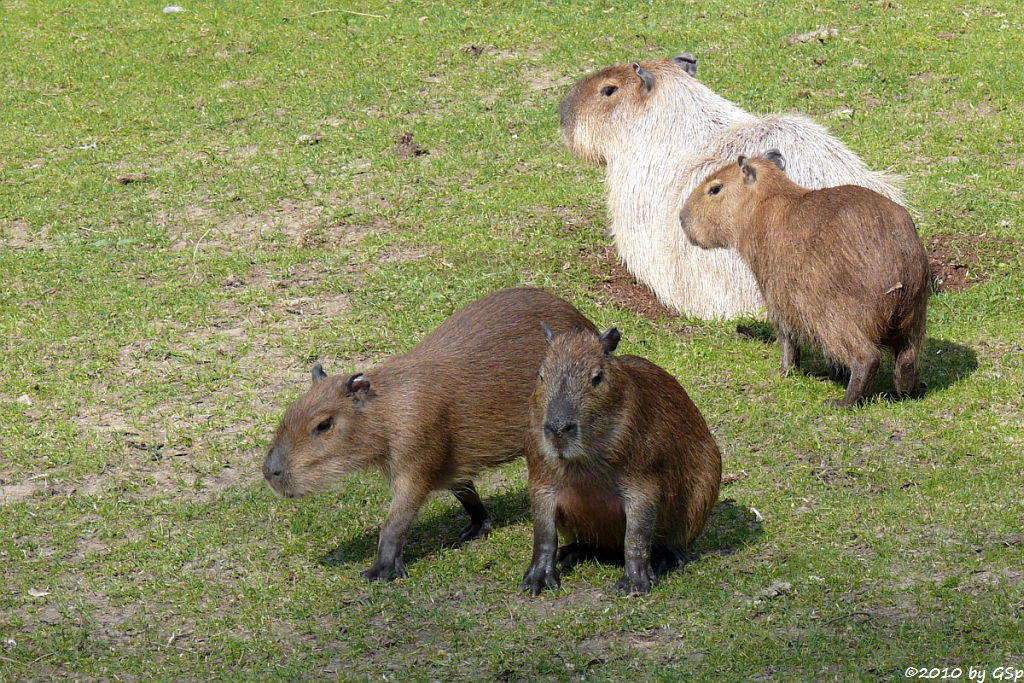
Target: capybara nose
(273, 465)
(564, 430)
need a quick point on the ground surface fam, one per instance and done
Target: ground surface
(195, 207)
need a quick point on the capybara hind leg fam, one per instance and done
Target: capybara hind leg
(664, 559)
(905, 372)
(790, 352)
(408, 498)
(862, 378)
(480, 523)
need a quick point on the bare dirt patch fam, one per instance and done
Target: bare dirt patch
(15, 493)
(617, 285)
(306, 223)
(663, 643)
(18, 234)
(955, 260)
(961, 112)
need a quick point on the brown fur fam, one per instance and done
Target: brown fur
(661, 132)
(430, 419)
(620, 460)
(842, 268)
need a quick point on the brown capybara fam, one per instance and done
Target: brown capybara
(430, 419)
(661, 132)
(842, 268)
(620, 461)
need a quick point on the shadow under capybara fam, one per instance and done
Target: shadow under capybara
(660, 132)
(842, 268)
(620, 461)
(430, 419)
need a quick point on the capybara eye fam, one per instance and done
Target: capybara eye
(609, 90)
(597, 378)
(715, 189)
(324, 426)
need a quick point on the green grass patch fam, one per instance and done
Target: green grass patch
(195, 207)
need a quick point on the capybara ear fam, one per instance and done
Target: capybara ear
(357, 386)
(318, 374)
(688, 63)
(646, 77)
(548, 333)
(775, 156)
(610, 339)
(749, 174)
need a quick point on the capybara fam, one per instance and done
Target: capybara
(430, 419)
(842, 268)
(620, 461)
(661, 132)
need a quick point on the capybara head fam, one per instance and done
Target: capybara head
(710, 214)
(322, 436)
(576, 394)
(613, 100)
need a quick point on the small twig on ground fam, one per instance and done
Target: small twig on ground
(195, 252)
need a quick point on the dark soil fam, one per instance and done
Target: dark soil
(956, 261)
(619, 286)
(406, 148)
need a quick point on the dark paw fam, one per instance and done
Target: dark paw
(475, 530)
(640, 584)
(385, 571)
(538, 578)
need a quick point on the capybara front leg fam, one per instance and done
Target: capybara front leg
(542, 572)
(638, 577)
(480, 523)
(408, 497)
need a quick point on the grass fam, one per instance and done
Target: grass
(154, 330)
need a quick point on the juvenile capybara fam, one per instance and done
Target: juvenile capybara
(842, 268)
(661, 132)
(620, 461)
(430, 419)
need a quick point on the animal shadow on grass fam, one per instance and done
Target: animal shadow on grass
(433, 531)
(941, 365)
(729, 528)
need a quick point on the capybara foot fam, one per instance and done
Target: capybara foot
(637, 583)
(539, 577)
(844, 402)
(385, 571)
(475, 530)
